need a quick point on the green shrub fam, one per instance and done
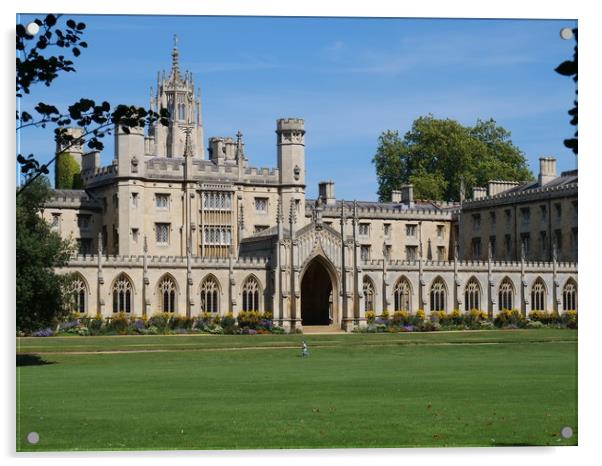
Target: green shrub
(181, 322)
(509, 318)
(248, 319)
(160, 320)
(119, 323)
(401, 318)
(535, 324)
(569, 319)
(67, 172)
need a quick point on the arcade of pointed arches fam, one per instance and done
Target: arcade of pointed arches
(122, 292)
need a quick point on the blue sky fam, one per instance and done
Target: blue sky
(350, 79)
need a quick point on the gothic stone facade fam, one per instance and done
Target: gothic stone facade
(164, 229)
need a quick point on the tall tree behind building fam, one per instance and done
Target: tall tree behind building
(436, 155)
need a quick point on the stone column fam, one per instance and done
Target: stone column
(556, 294)
(145, 279)
(100, 302)
(524, 293)
(231, 286)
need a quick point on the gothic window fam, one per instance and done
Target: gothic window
(250, 294)
(438, 295)
(122, 294)
(162, 233)
(83, 221)
(440, 231)
(368, 295)
(410, 230)
(364, 229)
(365, 252)
(84, 246)
(476, 221)
(167, 294)
(261, 205)
(210, 295)
(77, 293)
(402, 295)
(162, 201)
(181, 112)
(56, 220)
(387, 228)
(217, 200)
(506, 295)
(440, 253)
(411, 253)
(538, 296)
(569, 296)
(472, 295)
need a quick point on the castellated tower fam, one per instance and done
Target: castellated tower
(175, 92)
(291, 163)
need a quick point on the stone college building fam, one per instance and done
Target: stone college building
(172, 226)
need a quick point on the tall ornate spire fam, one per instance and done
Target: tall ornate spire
(175, 65)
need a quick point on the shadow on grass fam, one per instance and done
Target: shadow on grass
(31, 360)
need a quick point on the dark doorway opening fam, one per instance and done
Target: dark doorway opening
(316, 293)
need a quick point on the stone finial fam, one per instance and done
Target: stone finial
(239, 147)
(343, 218)
(187, 143)
(462, 190)
(292, 214)
(99, 245)
(456, 250)
(145, 245)
(355, 211)
(489, 251)
(175, 65)
(279, 215)
(554, 251)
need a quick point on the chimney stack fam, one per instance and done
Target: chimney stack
(479, 193)
(326, 192)
(547, 170)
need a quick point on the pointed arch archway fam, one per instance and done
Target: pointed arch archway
(319, 292)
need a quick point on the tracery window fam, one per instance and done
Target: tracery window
(472, 295)
(77, 292)
(210, 295)
(217, 200)
(569, 296)
(506, 295)
(167, 294)
(538, 296)
(368, 287)
(438, 295)
(162, 233)
(122, 294)
(401, 294)
(250, 295)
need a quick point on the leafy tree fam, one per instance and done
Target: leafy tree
(439, 156)
(34, 66)
(67, 172)
(569, 68)
(40, 300)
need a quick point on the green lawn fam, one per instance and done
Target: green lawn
(361, 390)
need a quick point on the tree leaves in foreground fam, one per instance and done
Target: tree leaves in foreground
(39, 249)
(35, 65)
(570, 68)
(437, 156)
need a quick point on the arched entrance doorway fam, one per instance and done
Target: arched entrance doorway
(318, 295)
